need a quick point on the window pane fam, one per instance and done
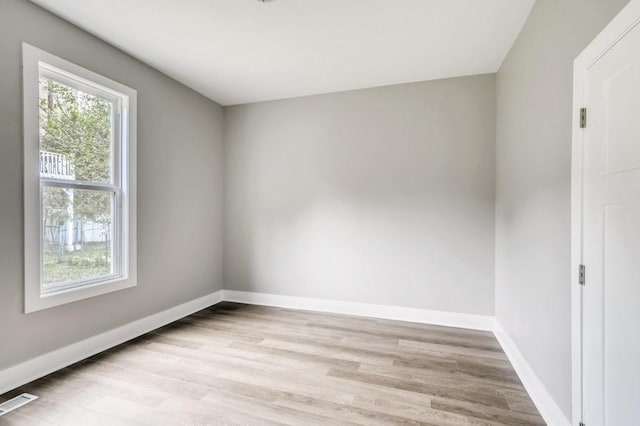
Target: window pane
(77, 234)
(75, 134)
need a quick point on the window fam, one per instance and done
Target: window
(79, 182)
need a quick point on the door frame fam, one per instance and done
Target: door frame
(623, 23)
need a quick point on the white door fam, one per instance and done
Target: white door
(611, 235)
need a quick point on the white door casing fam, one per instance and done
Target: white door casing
(606, 226)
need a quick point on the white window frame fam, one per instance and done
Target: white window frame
(36, 62)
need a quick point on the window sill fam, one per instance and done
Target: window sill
(38, 302)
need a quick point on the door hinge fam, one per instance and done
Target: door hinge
(583, 118)
(582, 275)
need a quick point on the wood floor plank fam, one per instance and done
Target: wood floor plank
(493, 413)
(454, 349)
(273, 412)
(417, 412)
(424, 388)
(455, 379)
(328, 350)
(20, 419)
(175, 388)
(234, 364)
(287, 381)
(398, 349)
(307, 358)
(350, 413)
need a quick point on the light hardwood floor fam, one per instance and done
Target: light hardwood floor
(241, 364)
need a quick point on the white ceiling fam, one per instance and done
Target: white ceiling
(239, 51)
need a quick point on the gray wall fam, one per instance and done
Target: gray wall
(179, 187)
(381, 195)
(534, 91)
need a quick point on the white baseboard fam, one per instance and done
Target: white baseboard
(425, 316)
(42, 365)
(549, 410)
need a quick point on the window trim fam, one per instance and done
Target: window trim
(36, 297)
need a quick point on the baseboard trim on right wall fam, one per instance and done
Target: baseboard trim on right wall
(549, 410)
